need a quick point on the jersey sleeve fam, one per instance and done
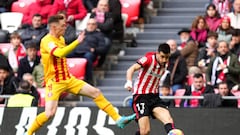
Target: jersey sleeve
(143, 61)
(61, 51)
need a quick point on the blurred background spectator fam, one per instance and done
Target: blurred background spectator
(16, 52)
(22, 98)
(225, 30)
(27, 64)
(199, 30)
(177, 67)
(224, 67)
(197, 88)
(34, 32)
(41, 7)
(212, 17)
(92, 46)
(75, 9)
(235, 15)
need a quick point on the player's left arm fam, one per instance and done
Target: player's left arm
(64, 51)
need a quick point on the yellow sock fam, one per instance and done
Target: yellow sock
(107, 107)
(38, 122)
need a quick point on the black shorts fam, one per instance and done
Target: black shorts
(143, 104)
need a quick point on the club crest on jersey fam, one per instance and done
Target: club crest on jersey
(143, 59)
(51, 45)
(156, 74)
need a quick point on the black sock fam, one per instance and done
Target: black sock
(168, 127)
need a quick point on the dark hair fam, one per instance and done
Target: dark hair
(197, 75)
(165, 86)
(31, 44)
(55, 19)
(214, 7)
(37, 15)
(222, 83)
(212, 34)
(164, 47)
(24, 85)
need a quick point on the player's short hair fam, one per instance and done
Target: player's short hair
(164, 47)
(55, 19)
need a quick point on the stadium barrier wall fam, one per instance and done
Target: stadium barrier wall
(92, 121)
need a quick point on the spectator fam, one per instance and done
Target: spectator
(224, 67)
(41, 7)
(188, 48)
(16, 52)
(196, 89)
(208, 51)
(177, 67)
(165, 90)
(115, 8)
(225, 30)
(199, 31)
(235, 43)
(223, 6)
(28, 63)
(38, 75)
(33, 89)
(212, 17)
(8, 82)
(105, 23)
(235, 15)
(22, 98)
(34, 32)
(75, 9)
(92, 46)
(70, 32)
(224, 91)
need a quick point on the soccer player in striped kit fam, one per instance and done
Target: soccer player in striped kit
(146, 101)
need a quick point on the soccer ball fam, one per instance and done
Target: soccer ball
(175, 132)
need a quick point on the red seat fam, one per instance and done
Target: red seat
(131, 8)
(21, 5)
(4, 47)
(237, 93)
(77, 67)
(179, 92)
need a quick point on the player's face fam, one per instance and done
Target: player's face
(60, 27)
(162, 58)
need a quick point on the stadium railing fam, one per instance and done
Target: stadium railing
(128, 98)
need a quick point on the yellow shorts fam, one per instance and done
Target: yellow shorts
(55, 89)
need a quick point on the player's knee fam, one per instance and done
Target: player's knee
(96, 92)
(50, 114)
(144, 131)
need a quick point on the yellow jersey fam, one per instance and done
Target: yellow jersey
(53, 51)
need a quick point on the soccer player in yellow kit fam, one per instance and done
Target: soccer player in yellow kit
(58, 79)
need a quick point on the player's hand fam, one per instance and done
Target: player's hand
(81, 37)
(128, 85)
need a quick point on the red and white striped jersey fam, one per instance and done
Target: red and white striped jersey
(149, 75)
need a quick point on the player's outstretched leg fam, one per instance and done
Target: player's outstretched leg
(124, 120)
(107, 107)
